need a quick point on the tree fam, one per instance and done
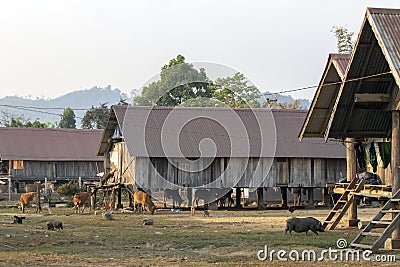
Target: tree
(20, 121)
(179, 81)
(96, 117)
(344, 37)
(67, 119)
(236, 93)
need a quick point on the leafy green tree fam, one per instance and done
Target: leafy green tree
(96, 117)
(67, 119)
(21, 122)
(345, 43)
(68, 189)
(235, 92)
(179, 81)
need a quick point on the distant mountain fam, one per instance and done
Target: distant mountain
(82, 99)
(281, 99)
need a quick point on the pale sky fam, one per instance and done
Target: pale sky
(51, 48)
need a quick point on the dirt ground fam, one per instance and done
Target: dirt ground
(226, 238)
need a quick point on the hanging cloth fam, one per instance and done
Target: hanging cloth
(372, 158)
(360, 156)
(366, 150)
(385, 150)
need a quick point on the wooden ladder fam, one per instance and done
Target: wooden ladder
(343, 204)
(391, 225)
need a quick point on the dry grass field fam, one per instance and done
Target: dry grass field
(226, 238)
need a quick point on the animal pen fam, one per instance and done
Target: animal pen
(135, 155)
(358, 102)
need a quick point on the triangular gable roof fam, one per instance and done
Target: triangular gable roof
(287, 124)
(370, 87)
(49, 144)
(324, 98)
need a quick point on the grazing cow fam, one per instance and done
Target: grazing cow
(54, 225)
(28, 198)
(174, 195)
(81, 199)
(303, 225)
(144, 199)
(228, 195)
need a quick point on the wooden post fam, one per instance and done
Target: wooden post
(39, 206)
(351, 173)
(395, 165)
(284, 197)
(260, 198)
(238, 198)
(310, 197)
(93, 198)
(119, 198)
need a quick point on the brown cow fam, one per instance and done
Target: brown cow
(28, 198)
(144, 199)
(80, 199)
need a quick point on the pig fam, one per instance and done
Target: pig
(54, 225)
(303, 225)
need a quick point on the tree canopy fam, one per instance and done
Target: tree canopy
(96, 117)
(345, 44)
(21, 122)
(179, 81)
(235, 92)
(67, 119)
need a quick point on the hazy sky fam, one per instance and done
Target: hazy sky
(52, 47)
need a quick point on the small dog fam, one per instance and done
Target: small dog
(206, 213)
(55, 225)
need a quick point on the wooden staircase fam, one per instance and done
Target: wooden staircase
(392, 207)
(343, 204)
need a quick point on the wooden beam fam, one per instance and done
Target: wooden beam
(371, 98)
(378, 79)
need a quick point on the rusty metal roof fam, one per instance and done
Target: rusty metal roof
(323, 102)
(49, 144)
(373, 76)
(150, 132)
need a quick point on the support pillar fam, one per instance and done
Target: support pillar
(238, 198)
(260, 198)
(351, 173)
(284, 197)
(310, 197)
(119, 198)
(394, 243)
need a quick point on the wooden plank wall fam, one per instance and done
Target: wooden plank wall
(295, 172)
(59, 169)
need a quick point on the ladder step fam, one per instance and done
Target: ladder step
(371, 234)
(360, 245)
(381, 222)
(390, 211)
(395, 199)
(342, 201)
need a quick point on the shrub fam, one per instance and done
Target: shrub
(68, 189)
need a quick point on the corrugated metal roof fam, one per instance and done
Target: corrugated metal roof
(157, 131)
(323, 102)
(49, 144)
(373, 68)
(376, 52)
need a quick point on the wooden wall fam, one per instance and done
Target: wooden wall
(241, 172)
(58, 169)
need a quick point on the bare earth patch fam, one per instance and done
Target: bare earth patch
(226, 238)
